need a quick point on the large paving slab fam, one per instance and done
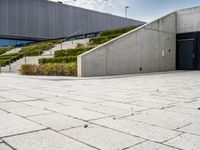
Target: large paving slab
(57, 121)
(151, 146)
(192, 128)
(11, 124)
(134, 128)
(78, 112)
(141, 112)
(185, 141)
(161, 118)
(45, 140)
(103, 138)
(21, 109)
(5, 147)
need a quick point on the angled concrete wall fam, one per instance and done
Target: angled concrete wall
(188, 20)
(150, 48)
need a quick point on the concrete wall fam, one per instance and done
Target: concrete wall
(150, 48)
(42, 19)
(188, 20)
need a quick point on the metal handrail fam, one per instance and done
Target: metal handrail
(10, 60)
(25, 53)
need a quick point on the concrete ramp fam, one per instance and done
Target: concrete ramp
(150, 48)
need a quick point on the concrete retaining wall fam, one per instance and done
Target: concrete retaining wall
(188, 20)
(150, 48)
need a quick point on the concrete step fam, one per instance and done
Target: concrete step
(15, 66)
(15, 50)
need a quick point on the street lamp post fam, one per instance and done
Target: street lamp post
(126, 11)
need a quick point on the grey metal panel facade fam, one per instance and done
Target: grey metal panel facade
(42, 19)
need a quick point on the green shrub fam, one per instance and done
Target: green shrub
(50, 69)
(116, 31)
(108, 35)
(38, 47)
(5, 49)
(29, 69)
(71, 52)
(99, 40)
(65, 59)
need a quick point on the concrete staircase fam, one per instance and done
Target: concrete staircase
(15, 66)
(15, 50)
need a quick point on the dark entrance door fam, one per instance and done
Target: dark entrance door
(186, 55)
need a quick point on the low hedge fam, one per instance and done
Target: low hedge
(50, 69)
(108, 35)
(71, 52)
(5, 49)
(99, 40)
(34, 49)
(116, 31)
(9, 58)
(65, 59)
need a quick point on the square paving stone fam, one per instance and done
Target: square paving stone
(102, 138)
(161, 118)
(193, 129)
(138, 129)
(11, 124)
(151, 146)
(57, 121)
(4, 147)
(78, 112)
(21, 109)
(186, 142)
(45, 140)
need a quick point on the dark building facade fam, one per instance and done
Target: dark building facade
(43, 19)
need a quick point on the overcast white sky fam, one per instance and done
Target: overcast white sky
(144, 10)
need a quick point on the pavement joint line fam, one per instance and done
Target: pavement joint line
(72, 127)
(153, 125)
(183, 126)
(135, 145)
(76, 140)
(195, 100)
(26, 101)
(37, 114)
(173, 137)
(76, 117)
(100, 118)
(4, 142)
(179, 112)
(4, 110)
(4, 137)
(123, 132)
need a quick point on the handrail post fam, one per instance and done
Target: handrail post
(25, 58)
(0, 67)
(9, 65)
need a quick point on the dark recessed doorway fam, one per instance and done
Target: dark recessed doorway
(188, 51)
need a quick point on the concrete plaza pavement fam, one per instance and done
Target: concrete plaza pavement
(158, 111)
